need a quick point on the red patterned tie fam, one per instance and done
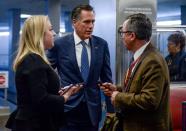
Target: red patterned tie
(129, 71)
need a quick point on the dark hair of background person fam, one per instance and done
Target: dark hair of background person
(141, 25)
(77, 11)
(178, 38)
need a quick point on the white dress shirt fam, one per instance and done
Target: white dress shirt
(79, 47)
(138, 53)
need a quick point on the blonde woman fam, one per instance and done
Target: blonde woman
(39, 105)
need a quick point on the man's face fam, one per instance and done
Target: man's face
(85, 24)
(127, 37)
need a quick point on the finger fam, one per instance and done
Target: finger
(105, 84)
(79, 85)
(78, 88)
(60, 91)
(102, 87)
(110, 84)
(71, 89)
(108, 94)
(74, 89)
(61, 94)
(108, 91)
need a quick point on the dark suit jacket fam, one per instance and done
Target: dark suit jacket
(38, 101)
(63, 57)
(176, 65)
(145, 105)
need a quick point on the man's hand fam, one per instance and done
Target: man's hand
(67, 91)
(107, 88)
(113, 96)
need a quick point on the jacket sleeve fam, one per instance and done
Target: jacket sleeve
(40, 96)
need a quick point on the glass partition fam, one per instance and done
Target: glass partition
(168, 37)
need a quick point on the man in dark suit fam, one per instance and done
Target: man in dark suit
(81, 57)
(144, 102)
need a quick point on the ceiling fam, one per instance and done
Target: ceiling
(166, 9)
(169, 9)
(32, 7)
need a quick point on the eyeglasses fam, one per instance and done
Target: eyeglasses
(121, 33)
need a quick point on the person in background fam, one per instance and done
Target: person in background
(144, 100)
(81, 57)
(39, 105)
(176, 59)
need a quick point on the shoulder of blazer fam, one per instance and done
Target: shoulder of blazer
(31, 62)
(97, 39)
(149, 49)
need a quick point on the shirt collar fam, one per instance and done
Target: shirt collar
(140, 51)
(77, 39)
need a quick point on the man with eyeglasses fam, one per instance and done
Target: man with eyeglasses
(144, 100)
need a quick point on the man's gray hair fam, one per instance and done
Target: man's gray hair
(141, 25)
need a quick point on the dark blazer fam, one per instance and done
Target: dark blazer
(39, 106)
(63, 56)
(145, 105)
(176, 65)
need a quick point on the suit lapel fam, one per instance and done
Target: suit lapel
(148, 49)
(93, 46)
(72, 53)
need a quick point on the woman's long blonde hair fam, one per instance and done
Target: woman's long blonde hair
(32, 38)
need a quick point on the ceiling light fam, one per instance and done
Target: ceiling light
(168, 23)
(25, 16)
(4, 33)
(166, 30)
(4, 28)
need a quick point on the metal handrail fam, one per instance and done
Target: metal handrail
(172, 26)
